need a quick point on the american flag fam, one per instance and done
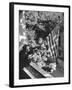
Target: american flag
(52, 40)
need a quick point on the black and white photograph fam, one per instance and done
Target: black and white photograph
(41, 44)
